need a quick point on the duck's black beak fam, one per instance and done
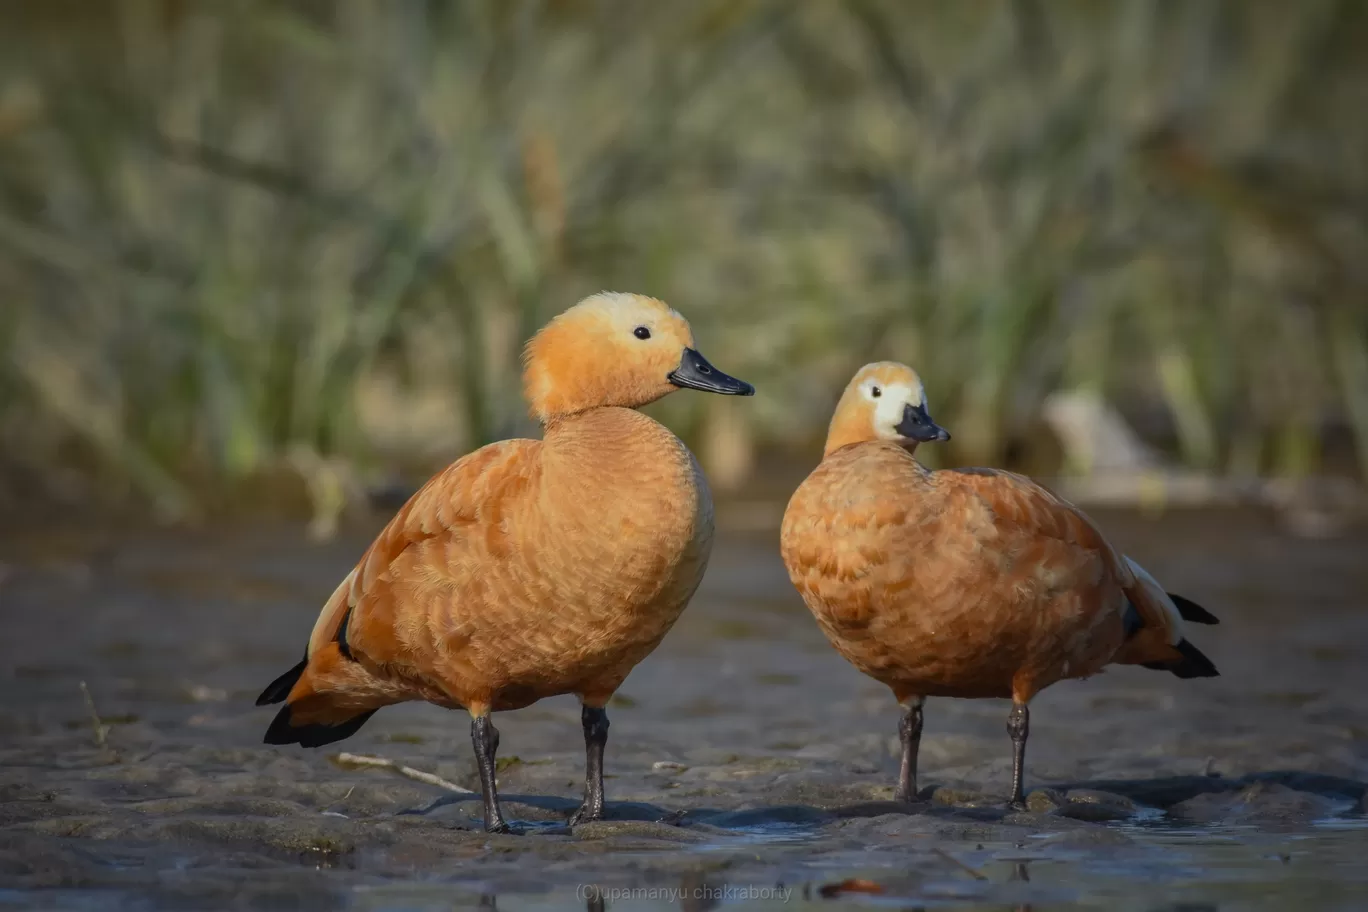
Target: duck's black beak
(917, 425)
(695, 372)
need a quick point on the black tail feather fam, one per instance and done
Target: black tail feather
(342, 645)
(280, 688)
(1193, 663)
(282, 732)
(1191, 611)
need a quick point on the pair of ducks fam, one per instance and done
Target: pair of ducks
(529, 568)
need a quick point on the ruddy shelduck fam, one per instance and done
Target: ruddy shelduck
(529, 568)
(963, 582)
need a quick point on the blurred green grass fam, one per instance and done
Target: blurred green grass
(248, 247)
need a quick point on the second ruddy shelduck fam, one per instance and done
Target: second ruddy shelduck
(529, 568)
(963, 582)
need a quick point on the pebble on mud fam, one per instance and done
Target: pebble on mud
(640, 829)
(1044, 800)
(668, 766)
(965, 798)
(1264, 803)
(1095, 806)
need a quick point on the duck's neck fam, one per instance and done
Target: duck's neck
(607, 460)
(614, 440)
(597, 430)
(869, 444)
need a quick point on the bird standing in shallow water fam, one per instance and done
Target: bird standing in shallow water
(963, 582)
(529, 568)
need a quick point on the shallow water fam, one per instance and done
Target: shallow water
(747, 762)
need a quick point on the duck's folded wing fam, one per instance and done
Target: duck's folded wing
(1033, 522)
(457, 501)
(1021, 505)
(1153, 623)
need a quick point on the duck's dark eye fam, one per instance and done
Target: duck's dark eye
(875, 392)
(641, 332)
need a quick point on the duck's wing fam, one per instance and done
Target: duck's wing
(331, 693)
(460, 499)
(1021, 509)
(1025, 512)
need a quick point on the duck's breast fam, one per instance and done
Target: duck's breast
(619, 537)
(845, 541)
(633, 512)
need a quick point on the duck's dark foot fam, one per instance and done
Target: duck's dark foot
(586, 814)
(499, 826)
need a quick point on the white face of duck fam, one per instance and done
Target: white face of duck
(884, 401)
(890, 402)
(898, 404)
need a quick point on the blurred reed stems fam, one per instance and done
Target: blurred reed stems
(274, 240)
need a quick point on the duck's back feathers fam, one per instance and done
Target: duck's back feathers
(363, 628)
(464, 499)
(1026, 509)
(1152, 618)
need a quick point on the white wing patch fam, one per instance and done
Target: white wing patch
(342, 591)
(1152, 586)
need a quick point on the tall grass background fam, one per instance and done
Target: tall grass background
(251, 248)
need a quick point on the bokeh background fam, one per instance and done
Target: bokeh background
(261, 253)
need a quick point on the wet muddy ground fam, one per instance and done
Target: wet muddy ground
(745, 761)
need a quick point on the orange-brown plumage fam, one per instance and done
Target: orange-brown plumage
(530, 568)
(961, 583)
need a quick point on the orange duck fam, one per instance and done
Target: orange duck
(963, 582)
(528, 568)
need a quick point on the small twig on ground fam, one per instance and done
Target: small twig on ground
(329, 812)
(972, 872)
(359, 761)
(101, 730)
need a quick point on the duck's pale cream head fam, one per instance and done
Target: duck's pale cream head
(616, 349)
(885, 401)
